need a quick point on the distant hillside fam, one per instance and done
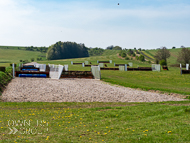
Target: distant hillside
(173, 57)
(11, 55)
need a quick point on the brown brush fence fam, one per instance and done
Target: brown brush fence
(90, 65)
(109, 69)
(103, 61)
(77, 74)
(185, 71)
(140, 69)
(77, 63)
(121, 65)
(164, 67)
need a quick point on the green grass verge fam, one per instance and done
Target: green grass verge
(95, 122)
(5, 78)
(168, 81)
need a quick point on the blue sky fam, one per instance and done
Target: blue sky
(146, 24)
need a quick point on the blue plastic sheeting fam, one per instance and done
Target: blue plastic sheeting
(33, 75)
(29, 69)
(28, 66)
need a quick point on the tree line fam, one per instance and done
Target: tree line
(66, 50)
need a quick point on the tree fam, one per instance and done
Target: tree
(123, 54)
(184, 56)
(117, 48)
(110, 47)
(126, 58)
(95, 51)
(182, 46)
(141, 58)
(173, 47)
(162, 54)
(65, 50)
(163, 63)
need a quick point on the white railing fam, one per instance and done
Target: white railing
(55, 71)
(156, 67)
(42, 67)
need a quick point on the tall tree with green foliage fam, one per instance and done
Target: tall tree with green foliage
(184, 56)
(141, 58)
(95, 51)
(65, 50)
(162, 54)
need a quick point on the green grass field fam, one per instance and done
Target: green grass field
(14, 55)
(95, 122)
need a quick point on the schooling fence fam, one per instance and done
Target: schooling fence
(55, 71)
(77, 74)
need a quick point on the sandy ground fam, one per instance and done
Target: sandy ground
(76, 90)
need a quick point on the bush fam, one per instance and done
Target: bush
(32, 59)
(126, 58)
(163, 63)
(5, 78)
(133, 55)
(2, 69)
(136, 57)
(149, 62)
(141, 58)
(123, 55)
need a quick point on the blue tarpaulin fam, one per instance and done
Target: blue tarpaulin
(32, 75)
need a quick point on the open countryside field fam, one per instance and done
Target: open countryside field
(104, 122)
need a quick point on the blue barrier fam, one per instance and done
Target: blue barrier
(28, 66)
(29, 69)
(33, 75)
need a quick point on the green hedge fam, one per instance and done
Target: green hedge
(5, 78)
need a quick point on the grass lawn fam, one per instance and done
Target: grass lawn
(8, 56)
(95, 122)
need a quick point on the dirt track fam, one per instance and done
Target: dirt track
(75, 90)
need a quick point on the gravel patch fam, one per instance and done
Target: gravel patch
(76, 90)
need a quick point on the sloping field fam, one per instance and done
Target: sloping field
(14, 55)
(173, 56)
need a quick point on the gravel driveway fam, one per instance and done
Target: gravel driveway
(76, 90)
